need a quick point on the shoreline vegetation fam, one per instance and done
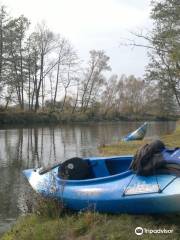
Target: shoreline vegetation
(48, 118)
(48, 221)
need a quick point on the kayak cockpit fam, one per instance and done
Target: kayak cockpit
(108, 167)
(93, 168)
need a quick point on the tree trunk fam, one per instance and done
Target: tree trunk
(57, 82)
(22, 80)
(40, 82)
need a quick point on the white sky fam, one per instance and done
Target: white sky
(93, 24)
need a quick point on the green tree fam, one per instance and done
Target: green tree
(164, 66)
(15, 50)
(4, 19)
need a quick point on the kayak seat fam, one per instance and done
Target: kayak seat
(99, 169)
(117, 166)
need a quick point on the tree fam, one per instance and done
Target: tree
(4, 19)
(43, 42)
(93, 77)
(70, 74)
(164, 47)
(109, 95)
(3, 22)
(128, 95)
(67, 64)
(15, 48)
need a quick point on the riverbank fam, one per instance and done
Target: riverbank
(92, 226)
(29, 118)
(43, 225)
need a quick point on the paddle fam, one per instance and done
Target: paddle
(47, 169)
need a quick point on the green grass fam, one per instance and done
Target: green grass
(48, 222)
(89, 226)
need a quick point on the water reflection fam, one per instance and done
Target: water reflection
(32, 147)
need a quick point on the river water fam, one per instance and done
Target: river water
(22, 148)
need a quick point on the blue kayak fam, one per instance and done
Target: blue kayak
(138, 134)
(112, 188)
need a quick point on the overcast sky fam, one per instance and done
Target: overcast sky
(93, 24)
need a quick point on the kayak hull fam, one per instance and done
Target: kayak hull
(124, 192)
(138, 134)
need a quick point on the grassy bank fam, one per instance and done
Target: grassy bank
(171, 140)
(43, 225)
(29, 118)
(90, 226)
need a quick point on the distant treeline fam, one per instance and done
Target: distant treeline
(46, 118)
(40, 71)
